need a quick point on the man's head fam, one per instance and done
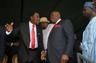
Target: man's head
(44, 22)
(88, 9)
(54, 16)
(35, 17)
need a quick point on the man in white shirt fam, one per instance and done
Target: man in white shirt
(46, 31)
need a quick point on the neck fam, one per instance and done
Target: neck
(32, 22)
(57, 20)
(93, 14)
(43, 28)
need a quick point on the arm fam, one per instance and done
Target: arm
(68, 31)
(88, 42)
(2, 44)
(69, 35)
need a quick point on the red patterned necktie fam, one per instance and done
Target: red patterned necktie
(33, 38)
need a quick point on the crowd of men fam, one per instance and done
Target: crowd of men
(39, 41)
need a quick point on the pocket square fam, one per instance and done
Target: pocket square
(57, 25)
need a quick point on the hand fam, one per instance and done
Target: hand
(16, 44)
(9, 27)
(12, 44)
(43, 55)
(64, 59)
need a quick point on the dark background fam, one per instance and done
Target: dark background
(20, 10)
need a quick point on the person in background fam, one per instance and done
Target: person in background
(46, 26)
(12, 45)
(44, 22)
(30, 35)
(61, 39)
(88, 44)
(2, 43)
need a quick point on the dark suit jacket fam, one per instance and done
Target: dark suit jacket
(24, 38)
(60, 41)
(2, 43)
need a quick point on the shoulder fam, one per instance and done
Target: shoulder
(23, 24)
(92, 23)
(93, 19)
(66, 22)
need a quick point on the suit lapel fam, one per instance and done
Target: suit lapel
(37, 29)
(55, 28)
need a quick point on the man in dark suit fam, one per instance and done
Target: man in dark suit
(61, 39)
(30, 35)
(12, 45)
(2, 43)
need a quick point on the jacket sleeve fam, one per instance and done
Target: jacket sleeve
(68, 31)
(2, 44)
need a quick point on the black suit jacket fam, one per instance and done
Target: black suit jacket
(24, 38)
(2, 43)
(60, 41)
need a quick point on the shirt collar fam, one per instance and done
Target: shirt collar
(31, 23)
(58, 21)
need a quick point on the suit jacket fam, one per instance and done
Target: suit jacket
(24, 38)
(60, 41)
(2, 43)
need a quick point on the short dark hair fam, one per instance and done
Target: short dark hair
(33, 12)
(55, 11)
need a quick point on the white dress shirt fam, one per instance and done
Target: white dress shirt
(46, 33)
(36, 40)
(58, 21)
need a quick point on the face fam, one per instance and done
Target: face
(44, 25)
(54, 16)
(35, 18)
(86, 12)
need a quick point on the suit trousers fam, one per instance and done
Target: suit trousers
(34, 56)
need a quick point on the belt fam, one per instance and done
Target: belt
(33, 49)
